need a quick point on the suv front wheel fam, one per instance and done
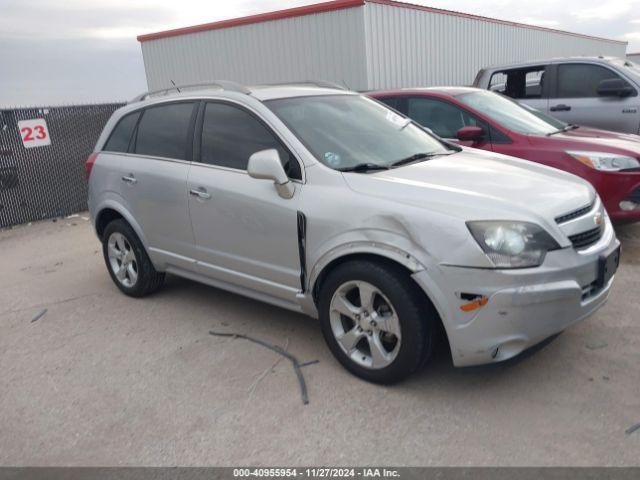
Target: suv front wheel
(127, 261)
(375, 320)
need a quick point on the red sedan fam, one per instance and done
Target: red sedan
(482, 119)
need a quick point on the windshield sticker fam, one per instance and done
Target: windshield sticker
(397, 120)
(333, 159)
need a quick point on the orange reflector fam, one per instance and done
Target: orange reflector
(584, 159)
(471, 306)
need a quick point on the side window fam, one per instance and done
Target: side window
(533, 83)
(121, 135)
(445, 119)
(230, 135)
(393, 102)
(163, 131)
(498, 82)
(497, 137)
(581, 80)
(521, 83)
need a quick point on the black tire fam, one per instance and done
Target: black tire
(416, 315)
(148, 279)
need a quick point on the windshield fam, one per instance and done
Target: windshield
(343, 131)
(508, 113)
(628, 65)
(559, 124)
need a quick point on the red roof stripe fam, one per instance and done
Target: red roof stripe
(340, 5)
(262, 17)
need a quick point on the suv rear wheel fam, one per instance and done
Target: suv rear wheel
(127, 261)
(376, 321)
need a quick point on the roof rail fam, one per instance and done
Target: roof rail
(222, 84)
(325, 84)
(317, 83)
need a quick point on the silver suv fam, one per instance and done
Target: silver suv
(599, 92)
(325, 202)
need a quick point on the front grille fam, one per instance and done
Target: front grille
(585, 239)
(574, 214)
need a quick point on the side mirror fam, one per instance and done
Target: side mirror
(470, 134)
(615, 87)
(266, 165)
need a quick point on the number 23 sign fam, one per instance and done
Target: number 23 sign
(34, 133)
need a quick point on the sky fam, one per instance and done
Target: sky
(55, 52)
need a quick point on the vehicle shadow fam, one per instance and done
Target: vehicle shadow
(235, 313)
(629, 236)
(440, 377)
(241, 315)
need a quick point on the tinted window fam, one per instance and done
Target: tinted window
(580, 80)
(119, 138)
(231, 135)
(393, 102)
(163, 131)
(443, 118)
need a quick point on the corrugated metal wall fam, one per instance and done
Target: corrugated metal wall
(410, 47)
(367, 47)
(322, 46)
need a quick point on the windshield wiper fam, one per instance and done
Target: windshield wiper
(417, 157)
(363, 167)
(565, 129)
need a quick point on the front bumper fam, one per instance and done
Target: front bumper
(524, 306)
(614, 188)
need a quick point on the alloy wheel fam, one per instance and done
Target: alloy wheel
(122, 259)
(365, 324)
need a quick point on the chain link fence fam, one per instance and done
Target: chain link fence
(47, 180)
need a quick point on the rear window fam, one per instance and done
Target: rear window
(121, 135)
(163, 131)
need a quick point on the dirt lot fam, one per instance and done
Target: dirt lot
(102, 379)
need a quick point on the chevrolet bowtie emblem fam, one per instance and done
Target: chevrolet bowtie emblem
(597, 219)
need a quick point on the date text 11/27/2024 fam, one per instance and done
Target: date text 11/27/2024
(320, 472)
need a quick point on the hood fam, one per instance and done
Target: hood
(478, 185)
(584, 138)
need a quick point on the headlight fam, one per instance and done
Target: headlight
(512, 244)
(608, 162)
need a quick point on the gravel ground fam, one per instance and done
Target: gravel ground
(102, 379)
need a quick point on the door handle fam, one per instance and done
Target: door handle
(200, 193)
(130, 179)
(560, 108)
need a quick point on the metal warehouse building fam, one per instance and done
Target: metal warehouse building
(364, 44)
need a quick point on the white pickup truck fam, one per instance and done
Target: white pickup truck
(599, 92)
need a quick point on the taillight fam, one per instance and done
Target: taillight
(88, 166)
